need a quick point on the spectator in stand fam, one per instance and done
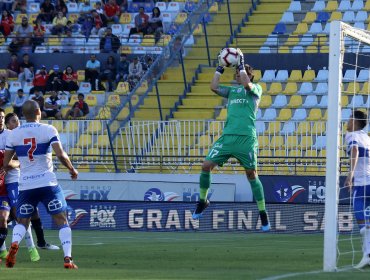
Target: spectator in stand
(109, 72)
(68, 42)
(79, 108)
(37, 96)
(18, 102)
(26, 46)
(7, 23)
(110, 42)
(72, 27)
(141, 23)
(122, 69)
(112, 11)
(55, 81)
(20, 5)
(4, 94)
(59, 22)
(52, 107)
(84, 10)
(24, 30)
(38, 33)
(155, 24)
(99, 9)
(40, 80)
(14, 45)
(123, 4)
(61, 7)
(87, 26)
(12, 70)
(98, 24)
(26, 70)
(92, 72)
(47, 11)
(70, 80)
(135, 71)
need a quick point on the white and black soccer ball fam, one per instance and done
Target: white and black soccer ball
(228, 57)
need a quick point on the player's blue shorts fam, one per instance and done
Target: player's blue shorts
(52, 197)
(361, 203)
(4, 203)
(12, 189)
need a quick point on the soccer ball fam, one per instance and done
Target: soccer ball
(228, 57)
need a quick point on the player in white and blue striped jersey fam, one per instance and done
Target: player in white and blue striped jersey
(32, 143)
(358, 179)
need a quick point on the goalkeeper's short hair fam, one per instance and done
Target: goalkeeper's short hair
(360, 117)
(249, 70)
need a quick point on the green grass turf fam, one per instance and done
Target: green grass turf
(148, 255)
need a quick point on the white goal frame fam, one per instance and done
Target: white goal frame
(336, 53)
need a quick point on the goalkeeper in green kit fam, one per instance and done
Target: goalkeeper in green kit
(239, 138)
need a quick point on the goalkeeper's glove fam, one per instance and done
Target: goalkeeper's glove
(240, 66)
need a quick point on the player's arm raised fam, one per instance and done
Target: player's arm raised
(215, 83)
(244, 78)
(64, 159)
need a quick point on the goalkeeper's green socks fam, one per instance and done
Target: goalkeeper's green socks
(204, 183)
(259, 196)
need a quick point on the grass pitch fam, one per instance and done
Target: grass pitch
(147, 255)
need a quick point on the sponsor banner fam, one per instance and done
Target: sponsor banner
(144, 190)
(299, 189)
(219, 217)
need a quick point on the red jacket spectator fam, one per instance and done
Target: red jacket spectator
(111, 9)
(6, 24)
(70, 77)
(40, 80)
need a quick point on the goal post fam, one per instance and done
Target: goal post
(338, 31)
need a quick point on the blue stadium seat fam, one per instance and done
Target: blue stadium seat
(259, 114)
(350, 75)
(148, 6)
(320, 143)
(323, 102)
(133, 7)
(282, 76)
(357, 101)
(318, 6)
(280, 101)
(306, 88)
(268, 76)
(326, 29)
(363, 76)
(297, 49)
(288, 17)
(361, 16)
(288, 128)
(269, 115)
(357, 5)
(295, 6)
(260, 127)
(315, 28)
(322, 76)
(306, 40)
(322, 17)
(348, 16)
(360, 24)
(321, 89)
(346, 114)
(264, 49)
(280, 28)
(300, 114)
(344, 5)
(272, 40)
(310, 101)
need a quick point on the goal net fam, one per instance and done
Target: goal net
(348, 89)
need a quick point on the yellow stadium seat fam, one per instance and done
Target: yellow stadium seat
(344, 100)
(32, 18)
(310, 17)
(322, 153)
(123, 114)
(266, 101)
(367, 6)
(280, 153)
(94, 127)
(71, 127)
(198, 30)
(292, 40)
(291, 142)
(335, 16)
(263, 141)
(284, 49)
(257, 75)
(102, 141)
(365, 89)
(84, 141)
(213, 8)
(122, 88)
(148, 40)
(164, 40)
(353, 88)
(308, 76)
(318, 128)
(126, 49)
(274, 128)
(104, 113)
(301, 29)
(325, 117)
(275, 88)
(284, 114)
(80, 75)
(304, 128)
(324, 49)
(73, 17)
(204, 141)
(331, 6)
(75, 153)
(94, 154)
(295, 76)
(263, 86)
(314, 115)
(58, 125)
(8, 110)
(18, 18)
(142, 88)
(91, 100)
(311, 153)
(181, 18)
(295, 153)
(311, 49)
(290, 88)
(125, 18)
(215, 128)
(306, 142)
(54, 41)
(114, 101)
(295, 101)
(223, 114)
(74, 98)
(277, 142)
(265, 153)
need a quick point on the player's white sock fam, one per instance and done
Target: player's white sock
(3, 247)
(365, 232)
(65, 236)
(18, 233)
(28, 238)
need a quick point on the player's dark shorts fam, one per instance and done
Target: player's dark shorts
(361, 203)
(51, 113)
(52, 197)
(12, 189)
(242, 147)
(4, 203)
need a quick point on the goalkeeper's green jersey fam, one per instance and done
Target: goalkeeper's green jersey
(242, 109)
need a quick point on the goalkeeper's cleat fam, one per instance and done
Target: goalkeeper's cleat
(48, 246)
(34, 255)
(364, 262)
(201, 206)
(11, 257)
(3, 254)
(264, 221)
(69, 264)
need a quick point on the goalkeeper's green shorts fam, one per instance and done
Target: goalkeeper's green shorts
(242, 147)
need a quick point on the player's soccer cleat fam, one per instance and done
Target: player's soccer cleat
(264, 221)
(69, 264)
(364, 262)
(34, 255)
(11, 257)
(48, 246)
(3, 254)
(201, 206)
